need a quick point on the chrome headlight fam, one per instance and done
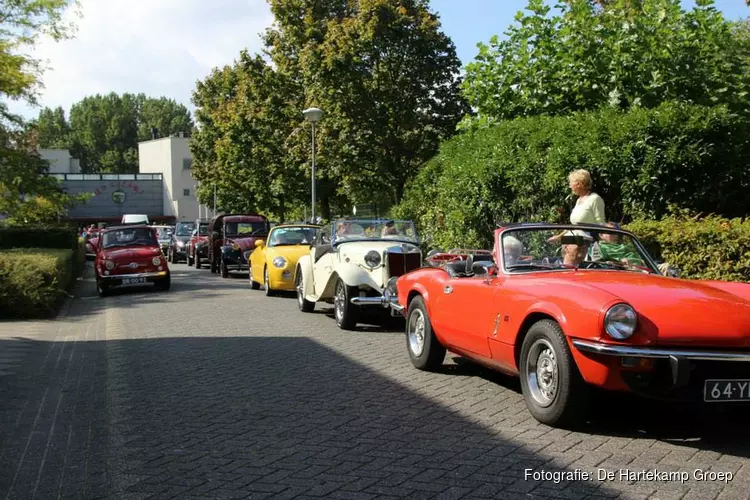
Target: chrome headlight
(279, 262)
(109, 264)
(156, 261)
(620, 321)
(235, 246)
(372, 258)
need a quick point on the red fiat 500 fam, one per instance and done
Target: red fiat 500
(129, 255)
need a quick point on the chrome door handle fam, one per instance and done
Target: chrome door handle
(448, 289)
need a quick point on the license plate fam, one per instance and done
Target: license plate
(718, 390)
(133, 281)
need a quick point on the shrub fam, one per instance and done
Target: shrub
(709, 248)
(33, 281)
(642, 162)
(23, 237)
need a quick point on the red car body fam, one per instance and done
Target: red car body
(129, 255)
(688, 332)
(197, 246)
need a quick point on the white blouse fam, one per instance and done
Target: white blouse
(589, 209)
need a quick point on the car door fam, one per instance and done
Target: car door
(467, 310)
(322, 256)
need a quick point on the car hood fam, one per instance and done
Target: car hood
(183, 239)
(677, 311)
(358, 249)
(245, 244)
(291, 253)
(130, 252)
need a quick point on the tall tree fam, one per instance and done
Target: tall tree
(163, 114)
(622, 53)
(51, 129)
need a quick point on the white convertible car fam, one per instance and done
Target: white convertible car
(353, 260)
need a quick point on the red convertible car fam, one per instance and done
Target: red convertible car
(570, 307)
(129, 255)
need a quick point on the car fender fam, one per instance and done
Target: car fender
(304, 266)
(354, 275)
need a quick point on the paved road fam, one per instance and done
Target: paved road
(215, 391)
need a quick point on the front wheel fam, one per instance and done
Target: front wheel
(304, 304)
(189, 259)
(554, 390)
(102, 289)
(254, 285)
(345, 312)
(197, 261)
(164, 284)
(224, 270)
(425, 351)
(267, 283)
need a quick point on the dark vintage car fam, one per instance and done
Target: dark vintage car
(129, 255)
(230, 237)
(178, 244)
(197, 246)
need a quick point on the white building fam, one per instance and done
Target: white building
(170, 156)
(60, 161)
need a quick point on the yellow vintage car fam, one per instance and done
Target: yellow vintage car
(273, 262)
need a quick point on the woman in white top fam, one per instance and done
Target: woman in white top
(589, 207)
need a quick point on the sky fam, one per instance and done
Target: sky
(162, 47)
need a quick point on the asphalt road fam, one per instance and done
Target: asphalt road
(212, 390)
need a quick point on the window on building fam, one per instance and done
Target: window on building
(186, 192)
(187, 163)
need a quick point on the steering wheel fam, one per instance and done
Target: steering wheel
(469, 264)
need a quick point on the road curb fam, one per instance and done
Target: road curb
(74, 293)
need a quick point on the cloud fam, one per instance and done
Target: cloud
(158, 47)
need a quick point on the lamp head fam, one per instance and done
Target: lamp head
(313, 114)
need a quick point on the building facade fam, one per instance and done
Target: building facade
(60, 161)
(170, 157)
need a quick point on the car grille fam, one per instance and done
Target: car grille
(402, 263)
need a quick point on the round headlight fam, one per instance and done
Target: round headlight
(109, 265)
(156, 261)
(279, 262)
(620, 321)
(180, 243)
(372, 258)
(235, 246)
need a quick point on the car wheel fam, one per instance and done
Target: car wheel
(102, 289)
(425, 351)
(214, 266)
(299, 285)
(224, 270)
(253, 284)
(266, 283)
(345, 312)
(189, 259)
(197, 261)
(554, 390)
(170, 256)
(164, 284)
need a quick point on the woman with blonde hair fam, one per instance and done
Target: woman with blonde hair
(589, 207)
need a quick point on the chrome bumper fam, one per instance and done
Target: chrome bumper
(384, 301)
(153, 274)
(658, 353)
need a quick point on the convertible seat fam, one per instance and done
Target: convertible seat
(457, 268)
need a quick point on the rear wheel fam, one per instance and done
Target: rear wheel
(304, 304)
(425, 351)
(345, 312)
(554, 390)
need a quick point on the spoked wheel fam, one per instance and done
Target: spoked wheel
(554, 390)
(425, 351)
(253, 284)
(345, 312)
(304, 304)
(267, 283)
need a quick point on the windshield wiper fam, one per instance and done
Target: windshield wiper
(528, 266)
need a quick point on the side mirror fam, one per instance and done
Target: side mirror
(259, 243)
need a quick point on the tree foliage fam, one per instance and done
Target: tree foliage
(104, 130)
(382, 71)
(624, 53)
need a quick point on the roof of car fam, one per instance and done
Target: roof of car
(248, 217)
(292, 224)
(126, 226)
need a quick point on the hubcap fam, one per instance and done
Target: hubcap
(300, 289)
(416, 332)
(339, 300)
(542, 372)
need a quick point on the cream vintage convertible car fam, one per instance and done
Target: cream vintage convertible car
(353, 259)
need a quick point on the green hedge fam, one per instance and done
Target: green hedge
(643, 161)
(710, 248)
(33, 281)
(18, 237)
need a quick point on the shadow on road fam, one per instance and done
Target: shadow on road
(181, 417)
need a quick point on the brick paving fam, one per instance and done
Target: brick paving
(212, 390)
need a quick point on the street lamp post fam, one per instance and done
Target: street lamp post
(313, 115)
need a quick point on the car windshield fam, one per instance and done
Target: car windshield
(535, 249)
(245, 228)
(127, 236)
(203, 230)
(281, 236)
(352, 230)
(164, 233)
(184, 228)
